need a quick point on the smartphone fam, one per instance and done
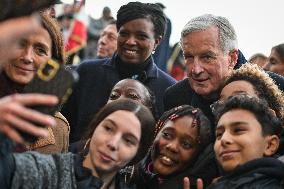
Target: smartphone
(17, 8)
(51, 78)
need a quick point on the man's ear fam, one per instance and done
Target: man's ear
(233, 58)
(272, 145)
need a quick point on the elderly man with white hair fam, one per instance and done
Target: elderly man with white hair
(210, 48)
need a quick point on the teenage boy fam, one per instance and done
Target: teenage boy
(246, 141)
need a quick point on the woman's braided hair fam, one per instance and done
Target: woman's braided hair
(199, 120)
(136, 10)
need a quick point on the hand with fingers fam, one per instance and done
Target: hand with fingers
(186, 183)
(16, 115)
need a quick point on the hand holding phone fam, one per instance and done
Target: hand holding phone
(54, 79)
(15, 115)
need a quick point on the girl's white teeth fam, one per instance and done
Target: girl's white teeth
(167, 160)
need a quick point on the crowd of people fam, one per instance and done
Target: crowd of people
(128, 123)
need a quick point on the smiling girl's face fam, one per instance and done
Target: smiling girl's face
(175, 146)
(115, 142)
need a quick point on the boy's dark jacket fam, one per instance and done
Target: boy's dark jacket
(263, 173)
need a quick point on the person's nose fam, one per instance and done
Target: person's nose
(172, 146)
(197, 67)
(226, 138)
(113, 142)
(102, 40)
(266, 66)
(131, 40)
(28, 55)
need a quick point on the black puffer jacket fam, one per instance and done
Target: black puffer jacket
(264, 173)
(205, 167)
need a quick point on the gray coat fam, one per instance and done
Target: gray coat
(38, 171)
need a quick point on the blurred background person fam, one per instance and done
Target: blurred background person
(95, 29)
(276, 60)
(74, 32)
(175, 64)
(259, 59)
(162, 52)
(51, 10)
(107, 43)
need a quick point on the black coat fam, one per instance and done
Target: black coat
(263, 173)
(182, 93)
(97, 78)
(205, 167)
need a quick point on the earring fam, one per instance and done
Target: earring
(87, 144)
(153, 52)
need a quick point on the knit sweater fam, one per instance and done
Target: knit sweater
(38, 171)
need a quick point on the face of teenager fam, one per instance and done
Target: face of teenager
(31, 52)
(237, 87)
(206, 65)
(275, 64)
(132, 89)
(136, 41)
(115, 141)
(107, 43)
(175, 146)
(239, 139)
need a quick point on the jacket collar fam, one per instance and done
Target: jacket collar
(266, 166)
(151, 71)
(84, 177)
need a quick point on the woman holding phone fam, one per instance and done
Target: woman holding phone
(19, 70)
(123, 132)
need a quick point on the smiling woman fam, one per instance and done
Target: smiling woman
(140, 28)
(32, 52)
(18, 71)
(181, 148)
(122, 135)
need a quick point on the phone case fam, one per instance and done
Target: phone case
(55, 79)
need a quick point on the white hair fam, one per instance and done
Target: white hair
(227, 35)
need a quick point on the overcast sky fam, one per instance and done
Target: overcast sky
(259, 23)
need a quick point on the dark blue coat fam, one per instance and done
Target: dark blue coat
(97, 78)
